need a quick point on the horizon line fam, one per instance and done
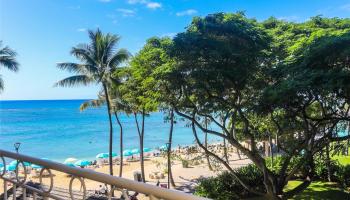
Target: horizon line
(43, 99)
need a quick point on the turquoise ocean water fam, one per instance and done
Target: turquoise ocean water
(56, 129)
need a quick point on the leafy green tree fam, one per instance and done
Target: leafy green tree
(7, 60)
(138, 94)
(157, 56)
(99, 59)
(259, 76)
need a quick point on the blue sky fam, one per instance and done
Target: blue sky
(43, 31)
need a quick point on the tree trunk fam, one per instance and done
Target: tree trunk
(141, 134)
(206, 154)
(277, 143)
(110, 130)
(347, 141)
(328, 164)
(170, 174)
(271, 150)
(121, 144)
(225, 151)
(141, 147)
(206, 145)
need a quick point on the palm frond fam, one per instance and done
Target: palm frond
(75, 81)
(9, 62)
(7, 51)
(110, 45)
(74, 67)
(83, 54)
(121, 56)
(92, 103)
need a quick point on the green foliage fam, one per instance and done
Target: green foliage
(261, 79)
(321, 170)
(344, 176)
(319, 190)
(225, 186)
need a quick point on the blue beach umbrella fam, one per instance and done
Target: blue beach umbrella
(147, 149)
(10, 167)
(135, 151)
(102, 155)
(113, 154)
(70, 165)
(127, 153)
(82, 163)
(1, 165)
(14, 163)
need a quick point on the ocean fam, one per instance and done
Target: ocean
(56, 129)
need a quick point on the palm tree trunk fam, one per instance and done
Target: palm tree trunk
(121, 144)
(169, 149)
(110, 130)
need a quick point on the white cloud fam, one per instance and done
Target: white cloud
(126, 12)
(187, 12)
(153, 5)
(345, 7)
(148, 4)
(81, 29)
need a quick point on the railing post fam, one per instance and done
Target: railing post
(5, 189)
(24, 193)
(14, 190)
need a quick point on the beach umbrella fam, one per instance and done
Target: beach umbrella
(14, 163)
(127, 153)
(135, 151)
(34, 166)
(102, 155)
(1, 165)
(82, 163)
(147, 149)
(70, 160)
(113, 154)
(10, 167)
(70, 165)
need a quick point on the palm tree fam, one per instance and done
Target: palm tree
(117, 106)
(99, 59)
(7, 60)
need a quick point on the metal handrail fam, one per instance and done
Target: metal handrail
(118, 182)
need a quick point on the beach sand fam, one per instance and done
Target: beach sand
(185, 178)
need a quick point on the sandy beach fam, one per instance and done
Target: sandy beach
(185, 178)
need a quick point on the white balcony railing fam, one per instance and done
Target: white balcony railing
(117, 183)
